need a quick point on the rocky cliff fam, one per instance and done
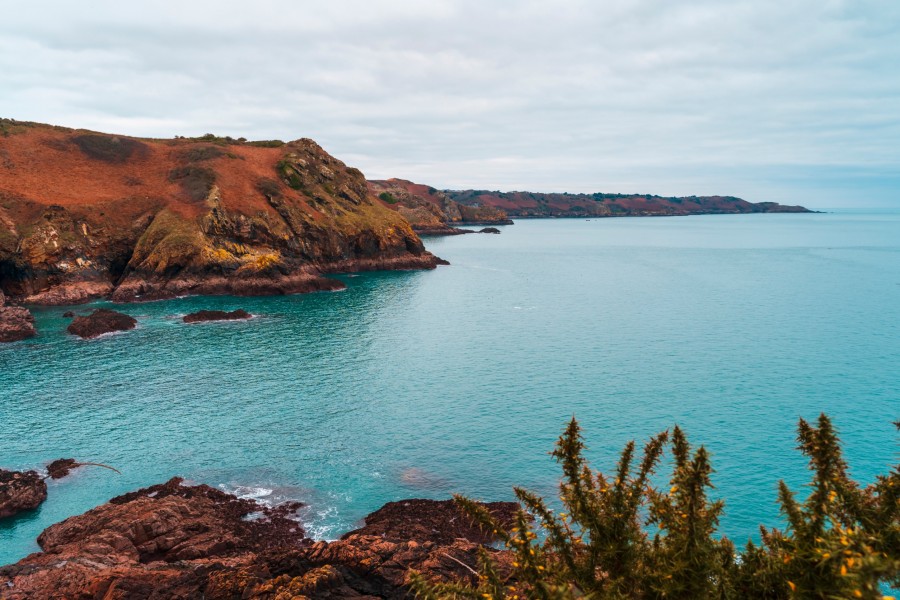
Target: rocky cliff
(86, 215)
(533, 204)
(430, 211)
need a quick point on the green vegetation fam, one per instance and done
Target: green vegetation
(842, 541)
(195, 181)
(267, 143)
(108, 148)
(388, 197)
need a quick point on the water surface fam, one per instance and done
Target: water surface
(420, 384)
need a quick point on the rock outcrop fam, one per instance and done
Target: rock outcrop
(217, 315)
(20, 491)
(176, 541)
(430, 211)
(85, 215)
(99, 322)
(61, 467)
(16, 323)
(534, 204)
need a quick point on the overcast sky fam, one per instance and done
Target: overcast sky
(796, 101)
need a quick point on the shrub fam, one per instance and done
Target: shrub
(843, 541)
(388, 197)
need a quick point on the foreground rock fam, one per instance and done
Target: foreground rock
(217, 315)
(20, 491)
(99, 322)
(174, 541)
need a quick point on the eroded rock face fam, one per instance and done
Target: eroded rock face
(20, 491)
(175, 541)
(99, 322)
(217, 315)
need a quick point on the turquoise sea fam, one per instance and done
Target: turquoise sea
(421, 384)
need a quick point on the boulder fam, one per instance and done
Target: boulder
(60, 468)
(217, 315)
(20, 491)
(16, 323)
(99, 322)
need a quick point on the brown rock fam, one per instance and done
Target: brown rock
(217, 315)
(60, 468)
(16, 324)
(99, 322)
(20, 491)
(438, 521)
(175, 541)
(489, 230)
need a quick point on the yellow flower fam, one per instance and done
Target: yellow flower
(843, 570)
(792, 586)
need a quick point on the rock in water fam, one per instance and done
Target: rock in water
(175, 541)
(489, 230)
(20, 491)
(60, 468)
(99, 322)
(16, 323)
(217, 315)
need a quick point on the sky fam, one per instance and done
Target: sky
(793, 101)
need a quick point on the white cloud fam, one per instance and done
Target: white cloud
(656, 96)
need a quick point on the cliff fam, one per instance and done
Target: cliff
(430, 211)
(533, 204)
(86, 215)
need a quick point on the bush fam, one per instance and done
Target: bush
(843, 541)
(388, 197)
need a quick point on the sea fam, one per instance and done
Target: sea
(459, 380)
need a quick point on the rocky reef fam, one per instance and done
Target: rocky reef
(16, 323)
(534, 204)
(217, 315)
(178, 541)
(430, 211)
(87, 215)
(100, 322)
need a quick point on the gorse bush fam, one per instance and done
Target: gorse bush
(621, 537)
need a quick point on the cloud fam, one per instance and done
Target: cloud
(648, 95)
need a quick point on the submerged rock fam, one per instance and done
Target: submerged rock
(217, 315)
(176, 541)
(68, 314)
(20, 491)
(99, 322)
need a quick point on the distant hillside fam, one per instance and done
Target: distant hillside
(429, 210)
(86, 215)
(534, 204)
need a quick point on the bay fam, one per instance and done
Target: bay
(422, 384)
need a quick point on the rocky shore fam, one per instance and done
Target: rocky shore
(179, 541)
